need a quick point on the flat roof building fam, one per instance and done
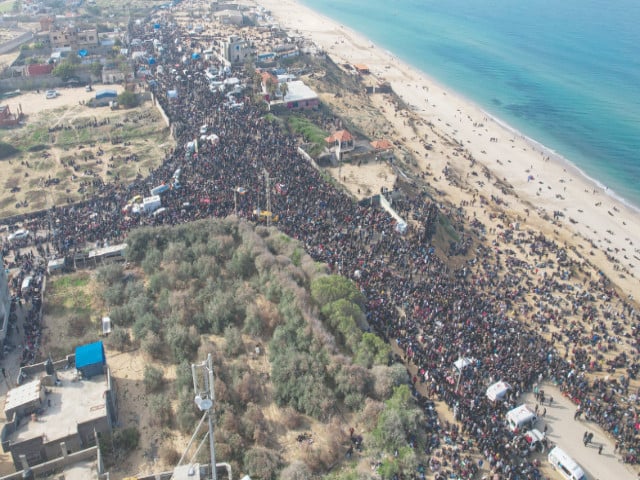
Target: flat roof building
(57, 404)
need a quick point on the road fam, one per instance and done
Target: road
(565, 432)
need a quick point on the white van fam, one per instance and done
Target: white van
(565, 465)
(520, 418)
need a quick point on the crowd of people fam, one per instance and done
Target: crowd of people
(508, 315)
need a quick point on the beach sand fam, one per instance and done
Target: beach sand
(602, 230)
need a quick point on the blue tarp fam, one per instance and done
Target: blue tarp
(90, 354)
(106, 94)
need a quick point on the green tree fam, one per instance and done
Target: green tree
(96, 69)
(343, 317)
(399, 423)
(372, 350)
(65, 70)
(128, 99)
(330, 288)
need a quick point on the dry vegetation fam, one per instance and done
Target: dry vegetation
(69, 152)
(284, 366)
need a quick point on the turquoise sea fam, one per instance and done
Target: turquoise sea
(564, 73)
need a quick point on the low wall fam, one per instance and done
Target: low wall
(15, 42)
(161, 110)
(92, 453)
(308, 158)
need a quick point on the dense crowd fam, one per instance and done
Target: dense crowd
(435, 313)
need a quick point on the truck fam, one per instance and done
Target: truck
(151, 204)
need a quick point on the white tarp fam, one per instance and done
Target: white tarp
(462, 363)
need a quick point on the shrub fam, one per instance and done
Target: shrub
(77, 325)
(126, 439)
(233, 341)
(262, 463)
(169, 455)
(160, 405)
(121, 315)
(113, 295)
(128, 99)
(153, 379)
(119, 339)
(398, 422)
(152, 261)
(249, 388)
(242, 264)
(296, 471)
(109, 274)
(154, 346)
(144, 324)
(292, 419)
(385, 379)
(372, 350)
(7, 150)
(187, 414)
(182, 342)
(330, 288)
(37, 148)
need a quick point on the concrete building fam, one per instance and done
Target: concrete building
(236, 50)
(72, 37)
(5, 303)
(299, 96)
(56, 404)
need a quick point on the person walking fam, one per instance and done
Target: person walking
(600, 450)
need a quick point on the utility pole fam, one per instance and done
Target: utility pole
(204, 400)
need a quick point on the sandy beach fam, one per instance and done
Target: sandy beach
(601, 229)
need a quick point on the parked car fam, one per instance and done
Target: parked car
(51, 94)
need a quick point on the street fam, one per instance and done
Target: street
(565, 432)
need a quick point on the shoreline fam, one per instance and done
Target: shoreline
(611, 190)
(540, 177)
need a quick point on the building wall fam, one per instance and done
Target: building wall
(5, 302)
(32, 449)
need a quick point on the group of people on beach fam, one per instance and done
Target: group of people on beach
(508, 316)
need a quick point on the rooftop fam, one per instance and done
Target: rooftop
(22, 395)
(298, 91)
(340, 136)
(73, 401)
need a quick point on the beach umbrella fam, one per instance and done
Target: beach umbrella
(151, 60)
(195, 56)
(156, 26)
